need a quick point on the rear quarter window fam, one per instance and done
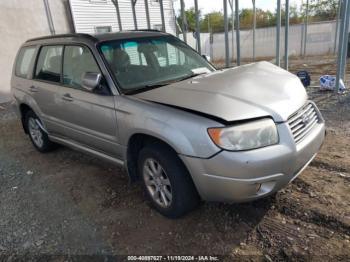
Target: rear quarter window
(24, 60)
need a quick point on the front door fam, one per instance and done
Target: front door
(90, 117)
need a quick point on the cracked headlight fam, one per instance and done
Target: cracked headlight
(245, 136)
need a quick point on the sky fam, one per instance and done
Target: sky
(208, 6)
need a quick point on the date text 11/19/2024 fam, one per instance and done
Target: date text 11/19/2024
(173, 258)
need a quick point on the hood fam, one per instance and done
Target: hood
(245, 92)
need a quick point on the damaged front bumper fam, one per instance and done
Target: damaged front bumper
(248, 175)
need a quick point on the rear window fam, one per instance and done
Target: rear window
(24, 60)
(48, 67)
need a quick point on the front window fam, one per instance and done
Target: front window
(143, 63)
(77, 60)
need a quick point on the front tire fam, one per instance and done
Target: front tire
(37, 135)
(166, 181)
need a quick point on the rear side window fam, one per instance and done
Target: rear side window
(24, 60)
(48, 67)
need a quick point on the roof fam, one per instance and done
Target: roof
(104, 36)
(128, 34)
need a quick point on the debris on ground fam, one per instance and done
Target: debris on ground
(328, 82)
(74, 204)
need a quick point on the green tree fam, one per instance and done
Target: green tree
(214, 22)
(191, 19)
(246, 18)
(294, 15)
(321, 10)
(265, 18)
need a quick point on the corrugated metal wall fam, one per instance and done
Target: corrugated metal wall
(320, 41)
(89, 14)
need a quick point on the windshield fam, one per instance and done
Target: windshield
(145, 63)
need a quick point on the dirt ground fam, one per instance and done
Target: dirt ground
(65, 203)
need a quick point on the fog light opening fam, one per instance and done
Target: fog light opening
(257, 187)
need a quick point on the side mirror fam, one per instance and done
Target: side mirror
(90, 81)
(206, 57)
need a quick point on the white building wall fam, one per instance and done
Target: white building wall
(19, 21)
(87, 14)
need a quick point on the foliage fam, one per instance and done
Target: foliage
(191, 19)
(214, 22)
(319, 10)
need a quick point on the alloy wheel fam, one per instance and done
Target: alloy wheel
(157, 183)
(35, 132)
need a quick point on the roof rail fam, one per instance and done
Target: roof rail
(62, 36)
(147, 30)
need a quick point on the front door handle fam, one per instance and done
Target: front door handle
(67, 97)
(33, 89)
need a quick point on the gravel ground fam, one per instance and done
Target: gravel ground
(62, 205)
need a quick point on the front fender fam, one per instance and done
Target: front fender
(185, 132)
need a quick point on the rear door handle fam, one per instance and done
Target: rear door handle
(33, 89)
(67, 97)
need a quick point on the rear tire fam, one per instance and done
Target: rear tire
(37, 135)
(166, 181)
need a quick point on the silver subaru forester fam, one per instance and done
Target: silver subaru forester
(146, 100)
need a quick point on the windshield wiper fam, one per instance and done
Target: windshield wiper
(147, 88)
(189, 76)
(161, 84)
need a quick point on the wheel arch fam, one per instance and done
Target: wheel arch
(24, 109)
(135, 143)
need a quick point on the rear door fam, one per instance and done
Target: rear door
(45, 87)
(89, 117)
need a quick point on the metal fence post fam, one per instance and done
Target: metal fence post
(278, 33)
(183, 22)
(341, 44)
(147, 15)
(302, 38)
(305, 26)
(232, 29)
(337, 27)
(49, 17)
(116, 5)
(162, 14)
(254, 28)
(345, 40)
(198, 32)
(286, 37)
(238, 40)
(211, 41)
(133, 3)
(227, 54)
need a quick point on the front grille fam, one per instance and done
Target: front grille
(302, 122)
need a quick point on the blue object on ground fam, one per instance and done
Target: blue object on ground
(327, 82)
(304, 77)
